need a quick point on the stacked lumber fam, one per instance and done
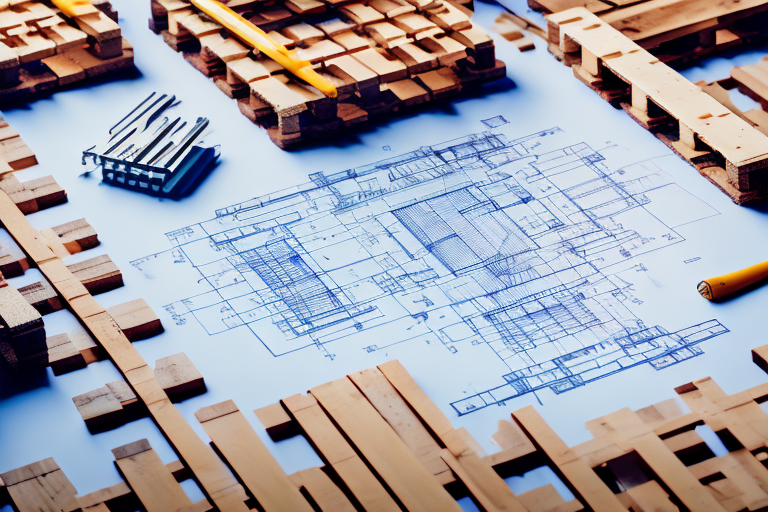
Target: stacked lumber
(42, 49)
(725, 148)
(22, 333)
(386, 446)
(382, 56)
(677, 31)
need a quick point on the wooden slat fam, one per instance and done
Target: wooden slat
(339, 455)
(385, 398)
(250, 459)
(410, 481)
(149, 478)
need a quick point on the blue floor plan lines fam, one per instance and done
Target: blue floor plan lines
(514, 244)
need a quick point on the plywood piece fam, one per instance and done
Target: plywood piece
(411, 482)
(39, 487)
(251, 460)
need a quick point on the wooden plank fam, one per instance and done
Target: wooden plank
(149, 478)
(409, 480)
(339, 455)
(250, 459)
(385, 398)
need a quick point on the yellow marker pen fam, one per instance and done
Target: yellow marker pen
(75, 8)
(258, 39)
(728, 284)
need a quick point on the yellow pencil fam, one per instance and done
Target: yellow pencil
(728, 284)
(75, 8)
(257, 38)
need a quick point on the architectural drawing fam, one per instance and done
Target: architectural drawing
(516, 244)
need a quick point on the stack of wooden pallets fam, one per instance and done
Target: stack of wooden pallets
(728, 150)
(41, 49)
(677, 31)
(381, 55)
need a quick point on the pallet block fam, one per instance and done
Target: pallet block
(98, 274)
(375, 55)
(727, 150)
(42, 297)
(178, 377)
(13, 261)
(45, 50)
(22, 333)
(136, 319)
(63, 356)
(34, 195)
(677, 32)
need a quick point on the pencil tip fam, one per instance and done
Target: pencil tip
(705, 290)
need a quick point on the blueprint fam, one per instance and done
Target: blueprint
(521, 244)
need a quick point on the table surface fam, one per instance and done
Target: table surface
(37, 417)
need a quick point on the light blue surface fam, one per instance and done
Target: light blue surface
(38, 419)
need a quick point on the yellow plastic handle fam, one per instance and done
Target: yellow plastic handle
(75, 8)
(728, 284)
(258, 39)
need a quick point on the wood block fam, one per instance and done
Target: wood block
(100, 409)
(450, 17)
(42, 297)
(65, 69)
(76, 236)
(409, 480)
(392, 8)
(361, 13)
(39, 486)
(440, 83)
(63, 356)
(33, 195)
(335, 27)
(336, 452)
(178, 377)
(326, 495)
(413, 24)
(13, 261)
(233, 436)
(149, 478)
(247, 70)
(303, 34)
(305, 7)
(417, 60)
(384, 65)
(276, 421)
(98, 274)
(136, 319)
(351, 42)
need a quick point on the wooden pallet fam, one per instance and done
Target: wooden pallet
(42, 50)
(727, 150)
(383, 57)
(386, 446)
(677, 31)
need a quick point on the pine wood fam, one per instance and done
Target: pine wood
(383, 449)
(251, 460)
(136, 319)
